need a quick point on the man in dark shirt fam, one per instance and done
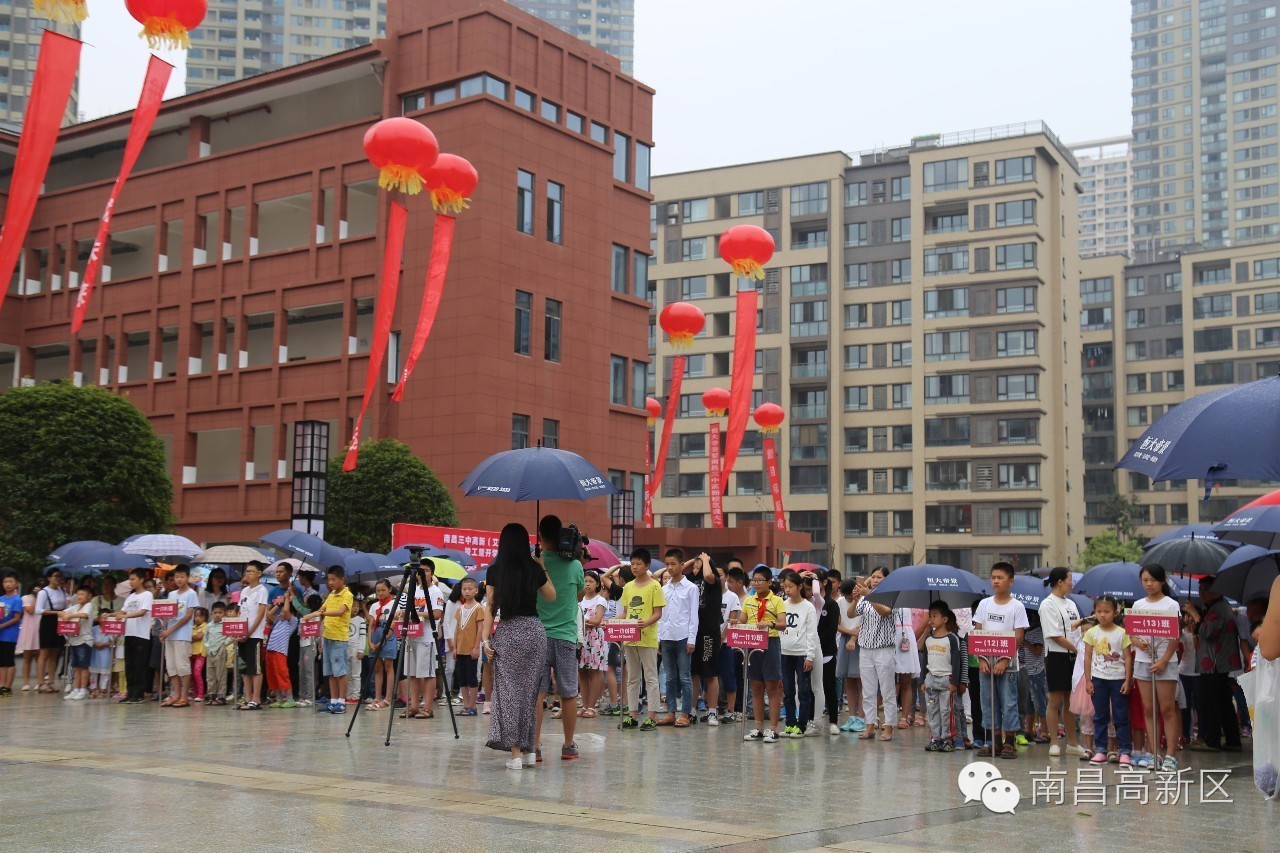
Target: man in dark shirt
(1219, 657)
(704, 664)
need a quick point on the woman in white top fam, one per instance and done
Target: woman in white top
(1158, 658)
(1057, 614)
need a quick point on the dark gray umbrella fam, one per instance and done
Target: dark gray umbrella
(1194, 555)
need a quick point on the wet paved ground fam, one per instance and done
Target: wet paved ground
(146, 778)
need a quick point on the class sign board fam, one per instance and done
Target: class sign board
(622, 630)
(416, 629)
(993, 644)
(310, 628)
(739, 637)
(68, 627)
(112, 627)
(1149, 623)
(164, 609)
(235, 628)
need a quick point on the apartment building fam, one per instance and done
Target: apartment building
(1104, 195)
(20, 30)
(910, 326)
(1204, 123)
(241, 38)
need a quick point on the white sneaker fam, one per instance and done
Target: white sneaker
(811, 730)
(1055, 751)
(713, 719)
(514, 763)
(67, 696)
(754, 734)
(530, 759)
(1072, 749)
(833, 729)
(770, 736)
(79, 694)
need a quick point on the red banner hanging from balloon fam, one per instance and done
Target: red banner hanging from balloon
(716, 484)
(744, 371)
(775, 483)
(386, 307)
(669, 419)
(437, 268)
(144, 118)
(47, 104)
(648, 467)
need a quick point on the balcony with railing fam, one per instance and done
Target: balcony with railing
(809, 370)
(810, 412)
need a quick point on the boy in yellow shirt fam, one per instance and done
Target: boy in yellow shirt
(642, 600)
(336, 614)
(764, 668)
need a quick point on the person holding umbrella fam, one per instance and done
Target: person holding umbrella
(559, 617)
(876, 656)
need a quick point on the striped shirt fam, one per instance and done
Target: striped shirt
(877, 630)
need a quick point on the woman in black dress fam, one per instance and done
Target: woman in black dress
(518, 648)
(49, 602)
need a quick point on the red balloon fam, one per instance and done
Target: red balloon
(769, 416)
(451, 181)
(716, 402)
(402, 150)
(747, 248)
(654, 409)
(166, 23)
(682, 322)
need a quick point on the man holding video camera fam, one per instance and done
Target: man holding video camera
(561, 552)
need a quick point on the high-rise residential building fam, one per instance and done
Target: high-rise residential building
(237, 294)
(240, 38)
(1156, 333)
(607, 24)
(918, 325)
(20, 30)
(1104, 195)
(1205, 156)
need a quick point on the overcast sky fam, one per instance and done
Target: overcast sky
(744, 80)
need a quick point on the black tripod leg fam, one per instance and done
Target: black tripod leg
(395, 684)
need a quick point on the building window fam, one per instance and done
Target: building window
(644, 159)
(947, 388)
(855, 439)
(855, 275)
(855, 234)
(1018, 431)
(901, 229)
(809, 199)
(1015, 169)
(640, 275)
(946, 476)
(900, 271)
(1015, 213)
(1019, 386)
(1218, 305)
(619, 274)
(695, 209)
(900, 189)
(946, 432)
(855, 357)
(599, 133)
(691, 485)
(750, 483)
(550, 433)
(573, 121)
(693, 249)
(944, 260)
(551, 112)
(408, 103)
(951, 302)
(902, 395)
(1009, 344)
(524, 201)
(551, 330)
(618, 380)
(1216, 373)
(639, 381)
(900, 354)
(1016, 256)
(555, 212)
(750, 204)
(621, 156)
(1019, 521)
(524, 322)
(946, 175)
(900, 312)
(1018, 475)
(524, 100)
(519, 432)
(946, 346)
(856, 398)
(1013, 300)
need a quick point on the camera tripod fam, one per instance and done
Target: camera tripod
(408, 590)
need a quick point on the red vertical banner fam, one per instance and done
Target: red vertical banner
(744, 371)
(775, 482)
(437, 267)
(144, 118)
(716, 481)
(47, 104)
(648, 469)
(668, 421)
(386, 308)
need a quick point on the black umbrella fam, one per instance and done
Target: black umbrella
(1194, 555)
(1248, 574)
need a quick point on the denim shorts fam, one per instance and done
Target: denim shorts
(80, 655)
(335, 658)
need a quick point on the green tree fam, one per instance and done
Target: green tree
(1106, 547)
(390, 484)
(1122, 513)
(76, 463)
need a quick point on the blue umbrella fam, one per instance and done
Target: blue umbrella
(920, 586)
(1083, 603)
(1248, 574)
(72, 549)
(1257, 525)
(1188, 531)
(1229, 433)
(538, 474)
(112, 558)
(1120, 580)
(364, 568)
(1028, 589)
(311, 548)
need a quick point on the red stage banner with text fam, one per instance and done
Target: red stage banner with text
(744, 371)
(386, 307)
(46, 106)
(668, 421)
(144, 118)
(716, 484)
(437, 267)
(775, 482)
(482, 545)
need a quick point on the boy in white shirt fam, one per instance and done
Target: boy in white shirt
(1002, 612)
(177, 639)
(734, 581)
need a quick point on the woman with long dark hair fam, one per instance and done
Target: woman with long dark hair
(518, 648)
(215, 589)
(50, 601)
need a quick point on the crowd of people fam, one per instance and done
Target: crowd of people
(539, 637)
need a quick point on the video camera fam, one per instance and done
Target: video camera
(573, 543)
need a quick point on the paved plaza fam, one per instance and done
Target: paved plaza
(95, 775)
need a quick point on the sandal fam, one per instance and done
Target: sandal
(921, 721)
(869, 734)
(408, 715)
(886, 734)
(424, 715)
(589, 713)
(181, 703)
(168, 703)
(682, 722)
(904, 723)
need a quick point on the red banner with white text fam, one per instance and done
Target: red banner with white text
(437, 267)
(481, 545)
(144, 118)
(648, 477)
(46, 106)
(775, 482)
(669, 413)
(716, 484)
(385, 308)
(744, 372)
